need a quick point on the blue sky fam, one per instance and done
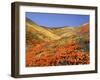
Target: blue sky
(57, 20)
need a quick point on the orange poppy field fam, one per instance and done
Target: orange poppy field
(56, 46)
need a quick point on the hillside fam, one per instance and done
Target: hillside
(56, 46)
(34, 27)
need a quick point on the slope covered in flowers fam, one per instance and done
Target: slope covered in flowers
(72, 47)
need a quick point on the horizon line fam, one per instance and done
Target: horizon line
(54, 26)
